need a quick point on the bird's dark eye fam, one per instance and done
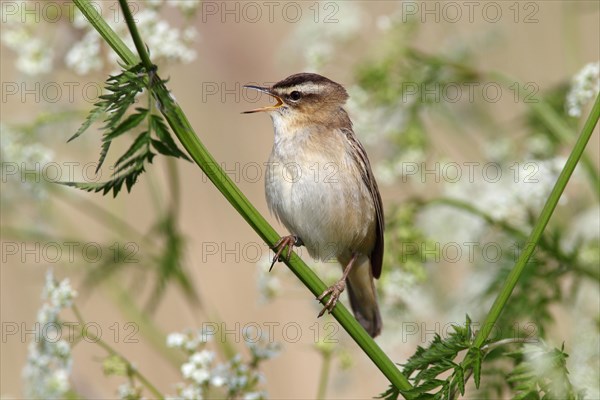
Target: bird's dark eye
(295, 95)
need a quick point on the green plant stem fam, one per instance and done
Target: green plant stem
(130, 367)
(185, 133)
(135, 35)
(174, 186)
(88, 10)
(132, 312)
(556, 252)
(561, 131)
(540, 225)
(324, 376)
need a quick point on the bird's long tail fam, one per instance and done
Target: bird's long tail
(363, 298)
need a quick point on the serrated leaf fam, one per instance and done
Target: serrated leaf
(96, 113)
(120, 95)
(161, 147)
(157, 123)
(391, 394)
(130, 122)
(87, 186)
(459, 378)
(477, 367)
(138, 143)
(103, 153)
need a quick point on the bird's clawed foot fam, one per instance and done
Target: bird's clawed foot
(285, 241)
(335, 291)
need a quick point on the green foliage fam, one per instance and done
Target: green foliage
(405, 242)
(428, 366)
(542, 129)
(436, 359)
(123, 90)
(541, 373)
(169, 264)
(538, 371)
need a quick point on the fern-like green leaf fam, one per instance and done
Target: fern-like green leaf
(129, 123)
(98, 110)
(162, 132)
(121, 93)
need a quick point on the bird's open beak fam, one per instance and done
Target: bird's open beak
(267, 108)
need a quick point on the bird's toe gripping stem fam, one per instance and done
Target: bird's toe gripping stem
(286, 241)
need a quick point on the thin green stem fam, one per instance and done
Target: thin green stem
(324, 376)
(135, 35)
(102, 215)
(539, 226)
(174, 186)
(110, 350)
(556, 125)
(544, 244)
(87, 9)
(182, 128)
(132, 312)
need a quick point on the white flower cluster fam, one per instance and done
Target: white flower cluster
(269, 285)
(31, 41)
(34, 53)
(185, 6)
(129, 391)
(520, 192)
(84, 56)
(261, 348)
(166, 43)
(234, 378)
(317, 38)
(585, 87)
(17, 156)
(49, 361)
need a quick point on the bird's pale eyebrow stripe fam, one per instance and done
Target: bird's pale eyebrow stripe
(305, 87)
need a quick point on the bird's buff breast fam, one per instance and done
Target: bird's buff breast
(318, 194)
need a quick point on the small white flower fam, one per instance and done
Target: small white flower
(201, 376)
(191, 393)
(176, 340)
(320, 39)
(62, 349)
(59, 295)
(190, 34)
(217, 380)
(15, 37)
(188, 369)
(126, 391)
(84, 56)
(46, 373)
(192, 344)
(79, 20)
(269, 285)
(384, 22)
(202, 358)
(59, 381)
(185, 6)
(585, 87)
(35, 57)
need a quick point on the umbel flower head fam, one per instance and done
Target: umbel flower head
(49, 362)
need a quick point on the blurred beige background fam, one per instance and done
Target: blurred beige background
(232, 54)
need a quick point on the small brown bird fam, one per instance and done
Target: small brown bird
(320, 185)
